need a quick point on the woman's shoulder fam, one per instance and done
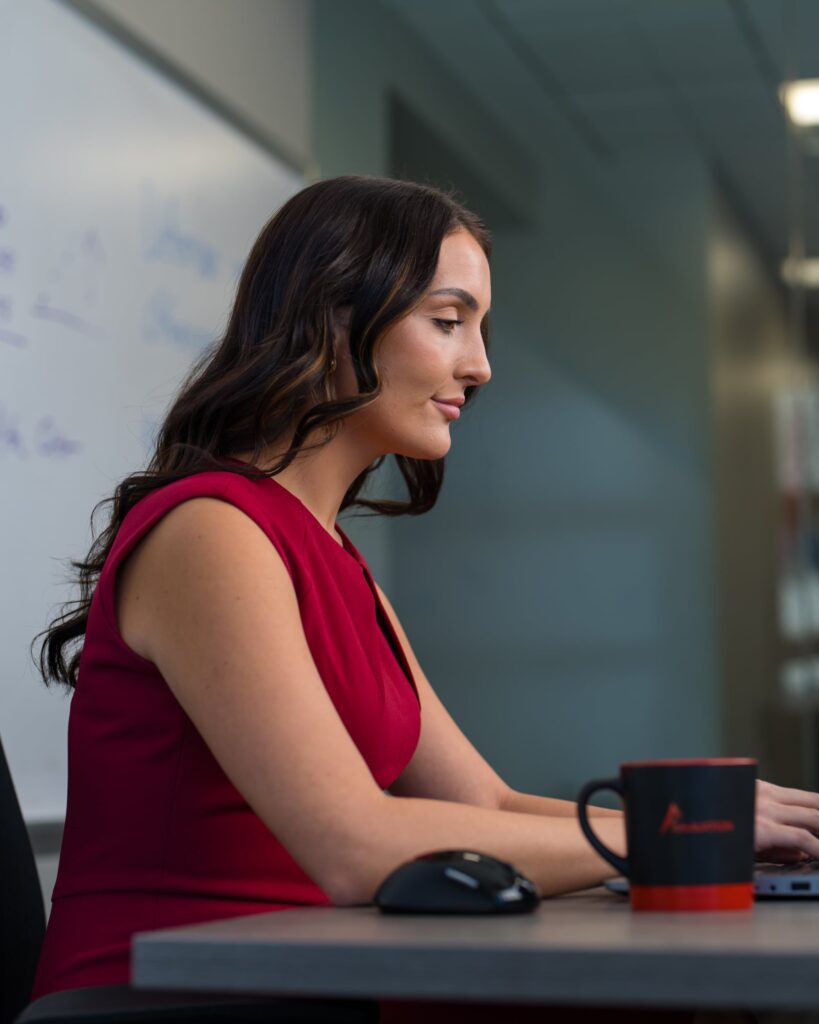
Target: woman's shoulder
(224, 484)
(256, 498)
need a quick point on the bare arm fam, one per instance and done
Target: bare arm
(552, 852)
(528, 803)
(446, 766)
(208, 599)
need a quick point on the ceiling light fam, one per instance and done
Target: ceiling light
(801, 100)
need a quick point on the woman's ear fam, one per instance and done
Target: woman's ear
(342, 375)
(341, 317)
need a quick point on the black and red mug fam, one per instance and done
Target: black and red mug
(689, 832)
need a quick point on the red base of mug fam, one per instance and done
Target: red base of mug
(734, 896)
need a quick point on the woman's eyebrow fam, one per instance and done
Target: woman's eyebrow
(466, 297)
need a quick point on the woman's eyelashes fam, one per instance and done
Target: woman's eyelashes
(447, 326)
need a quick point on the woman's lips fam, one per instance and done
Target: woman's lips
(452, 411)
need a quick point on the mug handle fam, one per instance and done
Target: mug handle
(621, 863)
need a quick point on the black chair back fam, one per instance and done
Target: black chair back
(22, 913)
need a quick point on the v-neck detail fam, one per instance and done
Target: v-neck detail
(382, 618)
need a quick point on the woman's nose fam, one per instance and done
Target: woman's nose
(477, 365)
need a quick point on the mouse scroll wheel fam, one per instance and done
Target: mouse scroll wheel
(460, 876)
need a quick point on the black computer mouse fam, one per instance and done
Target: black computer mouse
(456, 882)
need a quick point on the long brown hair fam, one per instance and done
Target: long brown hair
(355, 241)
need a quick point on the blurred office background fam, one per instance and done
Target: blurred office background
(621, 563)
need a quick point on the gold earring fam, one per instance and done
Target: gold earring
(333, 365)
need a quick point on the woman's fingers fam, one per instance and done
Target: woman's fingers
(791, 814)
(773, 835)
(769, 792)
(787, 823)
(786, 820)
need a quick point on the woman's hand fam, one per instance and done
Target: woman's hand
(787, 824)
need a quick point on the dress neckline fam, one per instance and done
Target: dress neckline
(346, 544)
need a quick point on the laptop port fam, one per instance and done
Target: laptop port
(800, 886)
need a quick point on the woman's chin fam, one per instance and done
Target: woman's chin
(433, 448)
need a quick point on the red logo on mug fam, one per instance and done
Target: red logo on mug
(672, 822)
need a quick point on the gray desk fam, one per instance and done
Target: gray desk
(583, 948)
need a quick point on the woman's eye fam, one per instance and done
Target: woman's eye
(447, 326)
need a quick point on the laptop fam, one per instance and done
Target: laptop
(771, 881)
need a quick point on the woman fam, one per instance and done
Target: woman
(247, 704)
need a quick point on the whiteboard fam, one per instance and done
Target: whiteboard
(127, 209)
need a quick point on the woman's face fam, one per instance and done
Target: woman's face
(424, 358)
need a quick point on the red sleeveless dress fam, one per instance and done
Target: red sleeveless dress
(155, 833)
